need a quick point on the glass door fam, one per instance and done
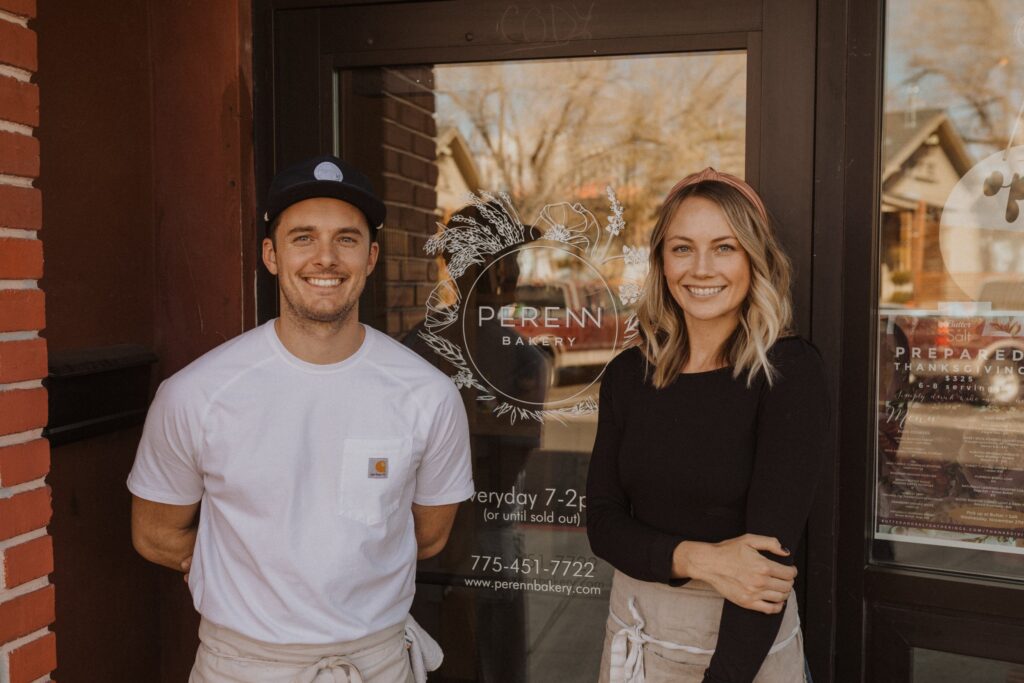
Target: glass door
(549, 176)
(523, 152)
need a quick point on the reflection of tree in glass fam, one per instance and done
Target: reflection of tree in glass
(549, 131)
(963, 58)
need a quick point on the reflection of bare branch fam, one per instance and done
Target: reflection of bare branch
(547, 131)
(961, 59)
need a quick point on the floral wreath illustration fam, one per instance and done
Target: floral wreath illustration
(467, 241)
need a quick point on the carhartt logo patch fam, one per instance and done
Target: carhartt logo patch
(378, 468)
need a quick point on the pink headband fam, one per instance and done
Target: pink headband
(731, 180)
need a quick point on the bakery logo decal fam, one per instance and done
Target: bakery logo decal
(524, 302)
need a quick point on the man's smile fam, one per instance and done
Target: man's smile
(324, 282)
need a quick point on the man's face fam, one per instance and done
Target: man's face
(322, 254)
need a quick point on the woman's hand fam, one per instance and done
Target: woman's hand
(738, 571)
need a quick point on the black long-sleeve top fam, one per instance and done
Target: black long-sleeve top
(707, 459)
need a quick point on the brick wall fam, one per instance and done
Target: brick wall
(410, 178)
(27, 647)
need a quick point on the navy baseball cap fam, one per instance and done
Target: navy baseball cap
(323, 176)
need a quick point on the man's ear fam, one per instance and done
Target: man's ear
(371, 262)
(269, 255)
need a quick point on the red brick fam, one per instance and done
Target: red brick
(426, 198)
(399, 295)
(396, 242)
(22, 309)
(19, 101)
(397, 136)
(24, 462)
(392, 269)
(21, 410)
(392, 109)
(392, 162)
(21, 259)
(23, 8)
(414, 168)
(423, 100)
(22, 360)
(424, 146)
(413, 270)
(413, 118)
(34, 660)
(21, 207)
(24, 512)
(18, 46)
(409, 219)
(19, 154)
(396, 190)
(29, 560)
(419, 243)
(26, 613)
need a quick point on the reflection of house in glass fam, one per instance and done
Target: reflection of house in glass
(924, 157)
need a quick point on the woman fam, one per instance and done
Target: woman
(709, 439)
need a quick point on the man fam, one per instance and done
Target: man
(327, 458)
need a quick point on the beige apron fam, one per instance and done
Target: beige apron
(659, 634)
(226, 656)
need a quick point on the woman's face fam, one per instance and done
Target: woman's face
(706, 269)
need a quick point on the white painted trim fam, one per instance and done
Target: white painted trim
(19, 233)
(15, 180)
(14, 18)
(20, 437)
(23, 538)
(18, 336)
(20, 128)
(15, 73)
(11, 491)
(19, 284)
(16, 386)
(32, 586)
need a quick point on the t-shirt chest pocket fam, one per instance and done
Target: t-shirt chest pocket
(372, 478)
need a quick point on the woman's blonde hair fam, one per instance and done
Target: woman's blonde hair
(765, 315)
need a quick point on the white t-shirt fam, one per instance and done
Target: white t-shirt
(307, 474)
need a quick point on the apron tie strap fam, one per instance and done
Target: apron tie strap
(627, 649)
(335, 669)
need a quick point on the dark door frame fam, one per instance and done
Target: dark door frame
(299, 44)
(885, 612)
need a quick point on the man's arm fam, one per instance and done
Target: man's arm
(433, 524)
(166, 534)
